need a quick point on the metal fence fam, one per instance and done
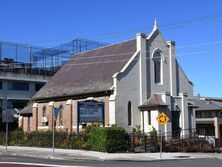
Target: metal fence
(25, 58)
(145, 142)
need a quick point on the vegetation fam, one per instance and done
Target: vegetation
(106, 139)
(109, 139)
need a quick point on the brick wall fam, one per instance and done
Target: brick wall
(69, 115)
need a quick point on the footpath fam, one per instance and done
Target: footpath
(66, 154)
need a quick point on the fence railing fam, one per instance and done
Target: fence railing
(186, 140)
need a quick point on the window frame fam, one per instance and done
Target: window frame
(18, 86)
(157, 63)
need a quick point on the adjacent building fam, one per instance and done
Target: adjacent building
(24, 69)
(128, 84)
(209, 116)
(16, 90)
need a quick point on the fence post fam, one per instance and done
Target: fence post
(133, 143)
(145, 138)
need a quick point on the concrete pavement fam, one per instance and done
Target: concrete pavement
(67, 154)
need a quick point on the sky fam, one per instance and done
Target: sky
(195, 25)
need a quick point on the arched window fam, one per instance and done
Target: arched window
(61, 116)
(129, 114)
(44, 116)
(157, 67)
(44, 111)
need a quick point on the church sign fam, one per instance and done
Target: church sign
(90, 111)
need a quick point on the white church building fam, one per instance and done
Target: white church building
(128, 84)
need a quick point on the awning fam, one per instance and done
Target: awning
(27, 111)
(153, 102)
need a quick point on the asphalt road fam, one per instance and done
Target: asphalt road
(51, 162)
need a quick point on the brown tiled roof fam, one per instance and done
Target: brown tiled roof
(88, 72)
(27, 110)
(153, 102)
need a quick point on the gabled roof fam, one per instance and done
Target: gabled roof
(88, 72)
(153, 102)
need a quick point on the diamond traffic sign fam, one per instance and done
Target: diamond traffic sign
(162, 118)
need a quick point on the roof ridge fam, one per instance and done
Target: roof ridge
(88, 51)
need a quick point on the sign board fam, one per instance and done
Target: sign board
(162, 118)
(90, 111)
(8, 116)
(56, 112)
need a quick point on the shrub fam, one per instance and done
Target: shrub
(189, 145)
(108, 139)
(18, 138)
(2, 139)
(41, 139)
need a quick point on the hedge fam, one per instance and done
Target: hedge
(109, 139)
(44, 139)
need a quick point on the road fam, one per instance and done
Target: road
(50, 162)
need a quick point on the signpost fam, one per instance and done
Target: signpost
(55, 113)
(7, 117)
(162, 119)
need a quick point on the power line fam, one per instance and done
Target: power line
(56, 60)
(200, 44)
(167, 26)
(122, 60)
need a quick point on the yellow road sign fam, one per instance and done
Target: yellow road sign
(162, 118)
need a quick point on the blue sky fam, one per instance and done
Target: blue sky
(195, 25)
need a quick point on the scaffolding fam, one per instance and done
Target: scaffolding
(28, 59)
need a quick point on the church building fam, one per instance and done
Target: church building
(128, 84)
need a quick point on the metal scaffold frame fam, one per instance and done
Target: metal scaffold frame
(25, 58)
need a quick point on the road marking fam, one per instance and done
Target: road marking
(36, 164)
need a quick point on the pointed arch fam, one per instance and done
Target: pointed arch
(61, 115)
(157, 61)
(44, 110)
(129, 107)
(44, 116)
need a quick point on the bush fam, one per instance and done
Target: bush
(2, 138)
(108, 139)
(17, 138)
(189, 145)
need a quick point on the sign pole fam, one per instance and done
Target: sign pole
(53, 133)
(162, 119)
(7, 117)
(6, 127)
(161, 142)
(6, 134)
(77, 120)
